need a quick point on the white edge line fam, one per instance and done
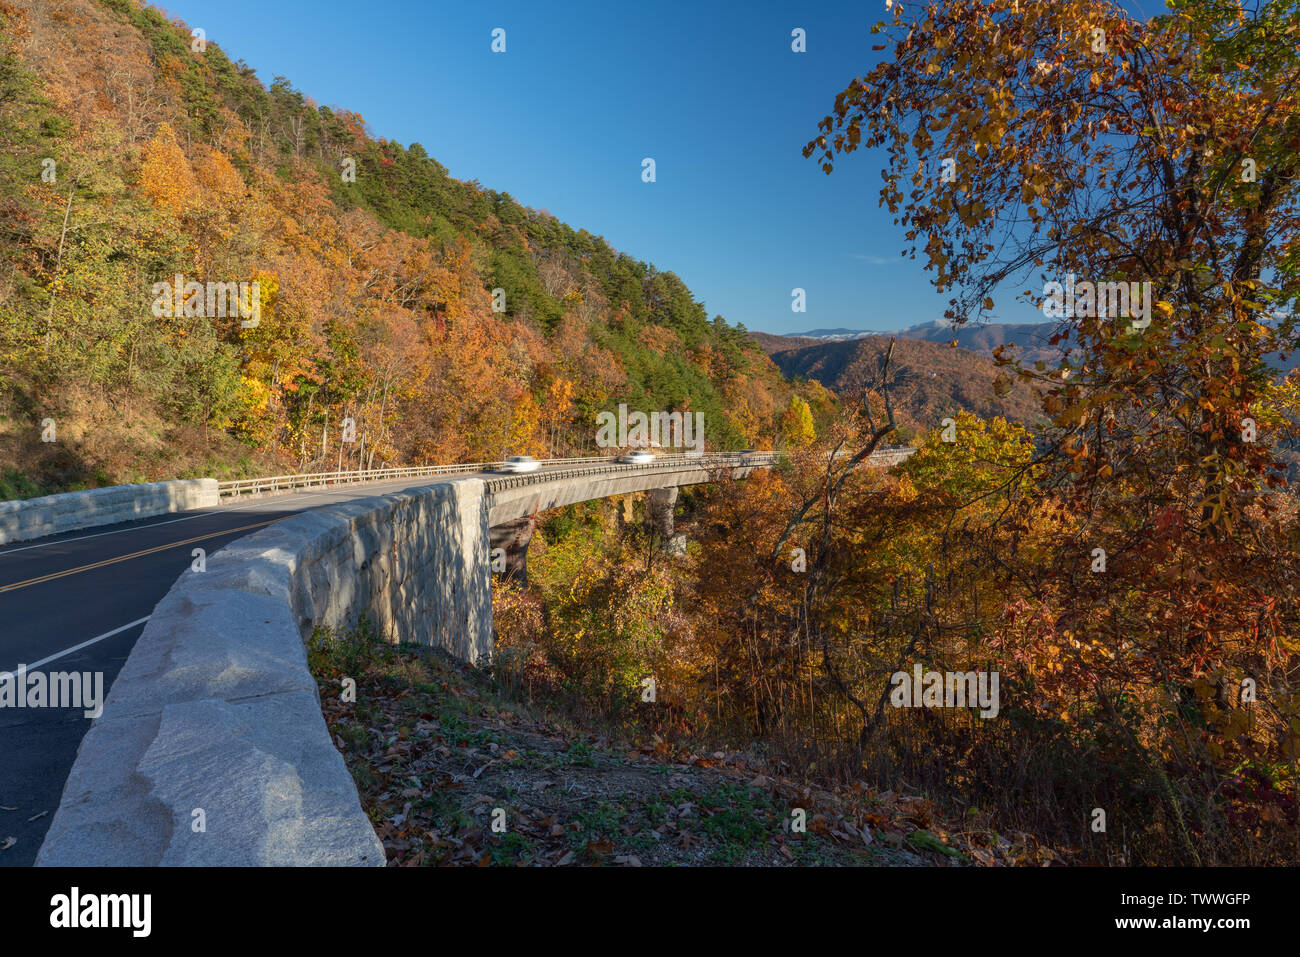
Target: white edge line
(133, 527)
(6, 675)
(210, 510)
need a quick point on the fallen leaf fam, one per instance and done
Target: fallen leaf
(397, 820)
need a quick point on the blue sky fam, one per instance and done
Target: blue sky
(585, 90)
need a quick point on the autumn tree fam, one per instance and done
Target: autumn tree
(797, 424)
(1068, 139)
(165, 174)
(1071, 143)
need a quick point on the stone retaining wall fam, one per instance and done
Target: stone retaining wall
(67, 512)
(215, 709)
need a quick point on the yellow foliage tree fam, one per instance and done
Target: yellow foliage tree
(797, 424)
(559, 399)
(166, 175)
(216, 174)
(524, 438)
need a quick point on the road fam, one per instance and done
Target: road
(78, 602)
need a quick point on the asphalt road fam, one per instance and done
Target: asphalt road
(78, 602)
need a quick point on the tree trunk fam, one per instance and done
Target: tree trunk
(58, 265)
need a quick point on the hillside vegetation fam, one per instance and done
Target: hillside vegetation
(132, 157)
(929, 381)
(454, 768)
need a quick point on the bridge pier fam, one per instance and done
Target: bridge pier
(660, 503)
(659, 509)
(514, 538)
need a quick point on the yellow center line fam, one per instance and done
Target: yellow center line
(122, 558)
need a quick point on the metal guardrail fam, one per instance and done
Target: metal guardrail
(277, 483)
(660, 464)
(581, 466)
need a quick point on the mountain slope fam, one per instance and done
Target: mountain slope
(589, 794)
(1027, 341)
(930, 382)
(1032, 340)
(441, 320)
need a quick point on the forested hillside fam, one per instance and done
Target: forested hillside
(1031, 341)
(929, 380)
(135, 155)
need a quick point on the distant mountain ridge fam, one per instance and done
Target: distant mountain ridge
(930, 379)
(1031, 339)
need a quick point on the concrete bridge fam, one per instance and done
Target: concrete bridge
(215, 707)
(514, 503)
